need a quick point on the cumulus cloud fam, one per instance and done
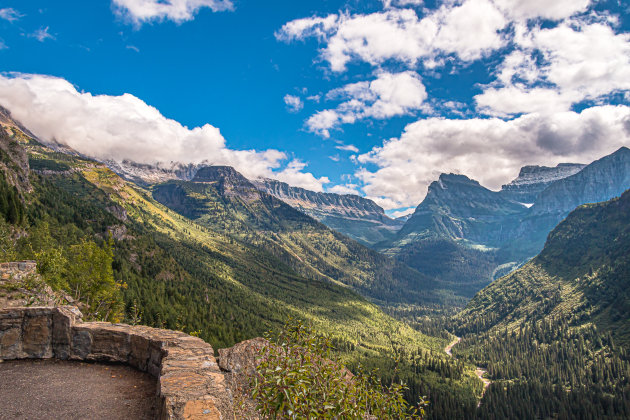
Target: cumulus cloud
(293, 103)
(140, 11)
(10, 14)
(407, 165)
(293, 174)
(399, 34)
(124, 127)
(344, 189)
(580, 61)
(400, 213)
(389, 95)
(531, 9)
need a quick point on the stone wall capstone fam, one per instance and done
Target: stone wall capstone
(190, 383)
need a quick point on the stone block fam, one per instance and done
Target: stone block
(63, 319)
(37, 335)
(10, 343)
(81, 343)
(205, 409)
(140, 351)
(110, 344)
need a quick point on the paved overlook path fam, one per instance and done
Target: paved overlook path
(53, 389)
(479, 371)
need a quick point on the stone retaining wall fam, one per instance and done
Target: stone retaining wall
(190, 383)
(10, 270)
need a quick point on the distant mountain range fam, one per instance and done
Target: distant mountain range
(356, 217)
(462, 235)
(223, 200)
(460, 238)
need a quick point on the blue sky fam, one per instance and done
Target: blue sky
(372, 97)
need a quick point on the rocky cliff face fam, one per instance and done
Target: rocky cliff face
(13, 157)
(228, 181)
(143, 174)
(357, 217)
(532, 180)
(454, 233)
(602, 180)
(457, 207)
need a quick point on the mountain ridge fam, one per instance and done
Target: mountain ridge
(356, 217)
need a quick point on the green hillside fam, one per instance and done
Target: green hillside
(554, 335)
(225, 202)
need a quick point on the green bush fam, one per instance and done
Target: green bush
(298, 378)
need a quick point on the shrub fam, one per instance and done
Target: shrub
(298, 378)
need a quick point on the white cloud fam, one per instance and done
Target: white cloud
(407, 165)
(389, 95)
(3, 45)
(401, 213)
(322, 121)
(10, 14)
(580, 61)
(348, 148)
(516, 99)
(124, 127)
(470, 30)
(530, 9)
(344, 189)
(294, 103)
(401, 3)
(133, 48)
(399, 34)
(42, 34)
(293, 175)
(140, 11)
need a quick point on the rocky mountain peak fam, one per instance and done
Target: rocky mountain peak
(357, 217)
(602, 180)
(533, 179)
(219, 173)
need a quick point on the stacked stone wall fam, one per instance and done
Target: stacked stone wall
(190, 383)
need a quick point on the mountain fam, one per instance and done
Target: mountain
(532, 180)
(144, 174)
(454, 233)
(464, 235)
(223, 200)
(356, 217)
(554, 334)
(459, 208)
(601, 180)
(582, 274)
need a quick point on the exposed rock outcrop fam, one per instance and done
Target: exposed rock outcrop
(21, 285)
(532, 180)
(359, 218)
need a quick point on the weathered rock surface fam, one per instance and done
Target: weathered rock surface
(190, 383)
(21, 285)
(532, 180)
(356, 217)
(239, 366)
